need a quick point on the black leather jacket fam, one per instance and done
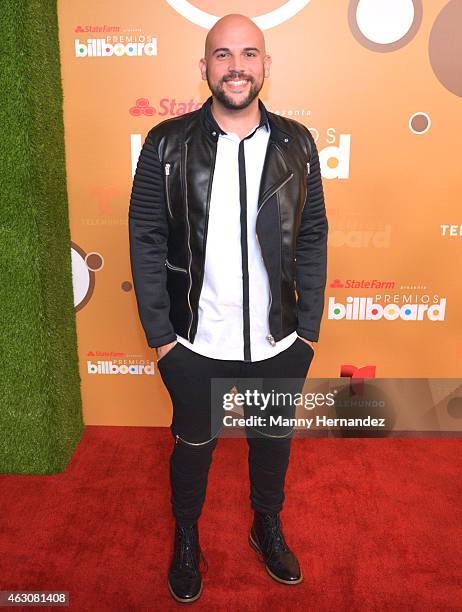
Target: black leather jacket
(168, 217)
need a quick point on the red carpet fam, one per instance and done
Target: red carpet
(376, 524)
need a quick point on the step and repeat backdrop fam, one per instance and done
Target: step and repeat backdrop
(378, 83)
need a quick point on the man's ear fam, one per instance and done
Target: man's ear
(267, 65)
(202, 68)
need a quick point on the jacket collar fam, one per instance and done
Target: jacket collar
(214, 130)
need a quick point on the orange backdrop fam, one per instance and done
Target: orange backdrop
(378, 83)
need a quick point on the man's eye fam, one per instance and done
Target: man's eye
(249, 53)
(222, 54)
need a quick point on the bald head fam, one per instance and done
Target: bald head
(235, 62)
(234, 28)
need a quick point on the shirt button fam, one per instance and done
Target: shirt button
(286, 140)
(214, 133)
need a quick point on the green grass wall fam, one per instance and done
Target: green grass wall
(40, 402)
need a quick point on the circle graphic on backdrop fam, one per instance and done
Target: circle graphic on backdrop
(384, 25)
(419, 123)
(268, 20)
(445, 47)
(84, 266)
(94, 261)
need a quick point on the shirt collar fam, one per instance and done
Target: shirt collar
(264, 121)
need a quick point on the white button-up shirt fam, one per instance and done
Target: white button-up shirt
(220, 330)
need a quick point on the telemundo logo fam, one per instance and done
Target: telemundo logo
(98, 47)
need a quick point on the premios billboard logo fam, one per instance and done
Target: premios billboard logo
(116, 42)
(115, 363)
(400, 305)
(334, 160)
(119, 366)
(368, 309)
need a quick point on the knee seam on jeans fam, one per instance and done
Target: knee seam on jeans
(177, 438)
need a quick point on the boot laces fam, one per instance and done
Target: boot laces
(187, 549)
(274, 539)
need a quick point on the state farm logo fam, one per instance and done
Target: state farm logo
(352, 283)
(194, 14)
(165, 106)
(80, 29)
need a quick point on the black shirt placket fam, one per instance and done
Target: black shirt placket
(244, 248)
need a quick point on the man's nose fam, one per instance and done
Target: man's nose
(235, 64)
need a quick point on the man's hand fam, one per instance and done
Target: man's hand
(164, 349)
(308, 342)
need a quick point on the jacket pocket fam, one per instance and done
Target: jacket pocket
(161, 360)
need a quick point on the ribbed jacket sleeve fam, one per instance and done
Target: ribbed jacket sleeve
(311, 255)
(148, 233)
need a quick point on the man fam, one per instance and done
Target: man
(228, 236)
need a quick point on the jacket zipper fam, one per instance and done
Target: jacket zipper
(271, 194)
(278, 148)
(306, 197)
(307, 174)
(270, 337)
(167, 189)
(172, 267)
(189, 236)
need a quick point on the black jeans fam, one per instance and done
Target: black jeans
(188, 378)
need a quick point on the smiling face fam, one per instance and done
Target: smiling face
(235, 63)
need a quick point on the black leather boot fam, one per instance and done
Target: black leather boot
(267, 539)
(184, 576)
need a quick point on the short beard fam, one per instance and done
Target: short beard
(228, 102)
